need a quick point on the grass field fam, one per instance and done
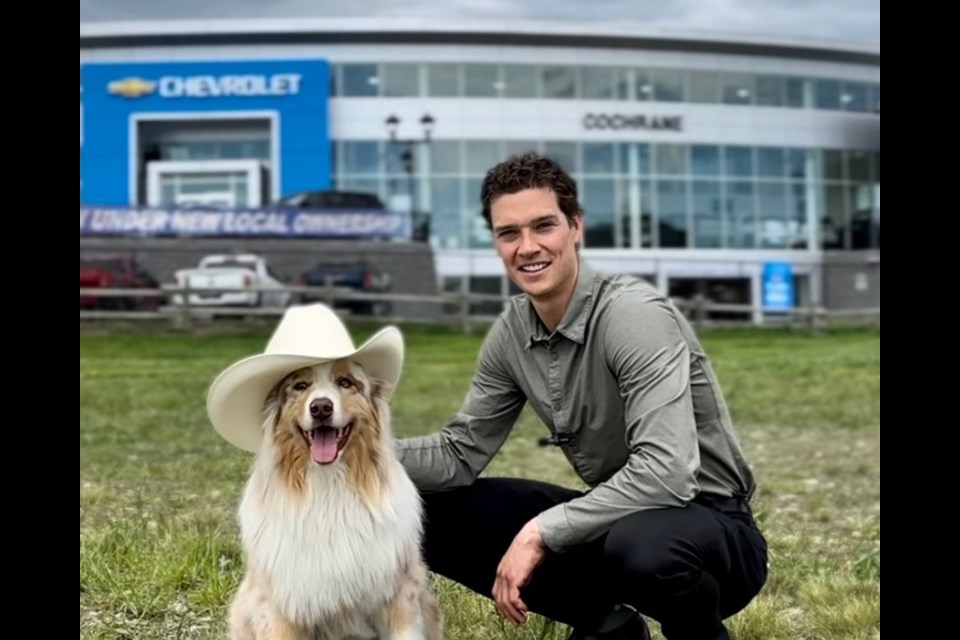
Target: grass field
(159, 556)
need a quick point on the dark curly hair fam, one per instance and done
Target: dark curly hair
(529, 171)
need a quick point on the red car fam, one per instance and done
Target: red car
(117, 272)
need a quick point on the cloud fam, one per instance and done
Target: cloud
(855, 22)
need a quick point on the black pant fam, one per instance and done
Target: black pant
(688, 568)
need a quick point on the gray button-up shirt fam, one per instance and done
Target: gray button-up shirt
(624, 380)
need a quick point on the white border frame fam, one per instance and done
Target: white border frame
(272, 116)
(156, 169)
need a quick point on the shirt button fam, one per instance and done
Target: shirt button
(554, 356)
(557, 407)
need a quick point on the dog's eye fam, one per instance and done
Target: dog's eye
(345, 383)
(301, 386)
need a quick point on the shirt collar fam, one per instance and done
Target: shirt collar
(574, 322)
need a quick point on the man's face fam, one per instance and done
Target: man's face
(536, 242)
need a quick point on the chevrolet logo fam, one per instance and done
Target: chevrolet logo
(131, 87)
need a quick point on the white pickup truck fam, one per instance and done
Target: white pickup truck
(238, 272)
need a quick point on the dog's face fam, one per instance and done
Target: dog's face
(324, 410)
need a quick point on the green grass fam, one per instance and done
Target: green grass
(159, 557)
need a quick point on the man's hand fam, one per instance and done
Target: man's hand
(525, 553)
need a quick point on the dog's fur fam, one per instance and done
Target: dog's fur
(332, 545)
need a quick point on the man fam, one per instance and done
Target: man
(618, 376)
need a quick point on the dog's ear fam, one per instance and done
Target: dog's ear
(272, 406)
(378, 398)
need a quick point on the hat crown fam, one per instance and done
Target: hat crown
(311, 330)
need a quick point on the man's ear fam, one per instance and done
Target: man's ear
(577, 225)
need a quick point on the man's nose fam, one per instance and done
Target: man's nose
(527, 243)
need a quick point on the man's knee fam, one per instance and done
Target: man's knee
(499, 503)
(654, 545)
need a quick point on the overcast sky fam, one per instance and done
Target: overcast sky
(855, 22)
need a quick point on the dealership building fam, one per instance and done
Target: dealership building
(701, 161)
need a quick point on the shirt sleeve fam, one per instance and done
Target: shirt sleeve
(650, 359)
(462, 449)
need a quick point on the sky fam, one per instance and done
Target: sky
(851, 22)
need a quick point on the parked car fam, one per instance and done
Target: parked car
(246, 274)
(117, 272)
(331, 200)
(358, 276)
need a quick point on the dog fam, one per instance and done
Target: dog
(330, 523)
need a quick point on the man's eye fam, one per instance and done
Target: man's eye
(301, 386)
(345, 383)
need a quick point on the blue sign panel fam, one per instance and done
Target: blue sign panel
(291, 94)
(778, 286)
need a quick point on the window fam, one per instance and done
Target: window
(520, 81)
(598, 157)
(360, 80)
(737, 88)
(635, 158)
(443, 80)
(706, 86)
(770, 91)
(481, 155)
(672, 213)
(854, 97)
(564, 153)
(707, 230)
(668, 85)
(482, 81)
(797, 93)
(559, 82)
(401, 80)
(598, 198)
(599, 83)
(706, 160)
(738, 161)
(775, 231)
(671, 159)
(360, 156)
(741, 221)
(827, 94)
(771, 162)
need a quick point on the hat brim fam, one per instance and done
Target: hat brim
(235, 400)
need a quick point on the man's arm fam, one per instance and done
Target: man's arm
(651, 361)
(462, 449)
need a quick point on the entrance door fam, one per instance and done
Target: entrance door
(209, 183)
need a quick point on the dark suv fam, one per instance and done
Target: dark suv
(331, 200)
(352, 275)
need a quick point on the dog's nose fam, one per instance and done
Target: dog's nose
(321, 408)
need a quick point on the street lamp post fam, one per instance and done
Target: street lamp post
(420, 219)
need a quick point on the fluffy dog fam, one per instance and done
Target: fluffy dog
(330, 523)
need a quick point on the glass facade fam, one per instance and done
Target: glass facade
(637, 195)
(485, 80)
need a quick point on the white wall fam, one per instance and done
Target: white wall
(520, 119)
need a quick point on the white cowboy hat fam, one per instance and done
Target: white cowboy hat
(307, 335)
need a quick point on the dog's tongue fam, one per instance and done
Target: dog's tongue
(323, 445)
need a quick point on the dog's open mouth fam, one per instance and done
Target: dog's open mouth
(326, 442)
